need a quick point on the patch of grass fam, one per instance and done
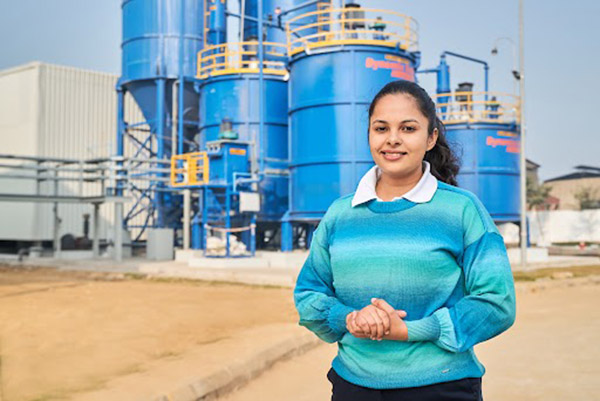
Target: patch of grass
(578, 271)
(198, 282)
(134, 276)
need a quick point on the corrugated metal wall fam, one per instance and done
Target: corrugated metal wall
(63, 112)
(18, 135)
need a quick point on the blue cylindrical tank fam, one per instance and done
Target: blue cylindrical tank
(234, 97)
(152, 34)
(330, 92)
(151, 30)
(489, 154)
(150, 49)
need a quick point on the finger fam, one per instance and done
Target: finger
(354, 326)
(369, 327)
(349, 319)
(386, 320)
(401, 313)
(382, 304)
(372, 318)
(361, 323)
(361, 335)
(380, 323)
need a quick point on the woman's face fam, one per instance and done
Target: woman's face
(398, 135)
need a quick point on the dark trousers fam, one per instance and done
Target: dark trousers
(468, 389)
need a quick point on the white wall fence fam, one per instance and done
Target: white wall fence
(557, 226)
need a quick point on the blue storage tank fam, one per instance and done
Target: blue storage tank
(234, 97)
(151, 30)
(150, 48)
(484, 129)
(150, 66)
(334, 75)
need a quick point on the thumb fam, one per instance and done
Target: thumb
(382, 304)
(401, 313)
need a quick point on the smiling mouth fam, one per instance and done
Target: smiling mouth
(393, 155)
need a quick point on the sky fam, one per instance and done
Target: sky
(562, 57)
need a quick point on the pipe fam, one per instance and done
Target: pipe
(298, 7)
(181, 82)
(96, 232)
(57, 221)
(187, 206)
(230, 14)
(261, 55)
(120, 132)
(160, 141)
(218, 25)
(118, 232)
(242, 19)
(428, 71)
(486, 67)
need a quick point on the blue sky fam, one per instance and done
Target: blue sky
(562, 59)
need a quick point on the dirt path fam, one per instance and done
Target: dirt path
(63, 333)
(551, 353)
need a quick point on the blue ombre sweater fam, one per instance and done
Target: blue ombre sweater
(441, 261)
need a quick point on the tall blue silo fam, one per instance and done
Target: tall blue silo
(484, 128)
(337, 65)
(153, 60)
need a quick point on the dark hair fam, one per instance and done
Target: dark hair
(444, 163)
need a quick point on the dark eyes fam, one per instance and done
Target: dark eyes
(406, 128)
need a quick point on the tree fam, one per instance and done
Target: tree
(588, 198)
(536, 194)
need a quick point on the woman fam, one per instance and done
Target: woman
(410, 272)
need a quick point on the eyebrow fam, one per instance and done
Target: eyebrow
(402, 122)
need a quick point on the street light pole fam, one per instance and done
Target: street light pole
(515, 72)
(523, 176)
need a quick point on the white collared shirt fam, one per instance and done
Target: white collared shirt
(422, 192)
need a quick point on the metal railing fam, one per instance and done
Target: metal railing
(471, 107)
(337, 26)
(189, 169)
(241, 57)
(93, 178)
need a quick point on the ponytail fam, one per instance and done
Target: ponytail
(443, 161)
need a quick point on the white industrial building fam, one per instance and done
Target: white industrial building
(53, 111)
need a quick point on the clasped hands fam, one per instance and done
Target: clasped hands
(378, 321)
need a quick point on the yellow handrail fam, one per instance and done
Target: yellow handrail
(241, 57)
(190, 169)
(330, 27)
(472, 107)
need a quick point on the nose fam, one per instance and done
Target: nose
(394, 138)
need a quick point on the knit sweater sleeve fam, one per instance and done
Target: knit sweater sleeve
(489, 306)
(314, 296)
